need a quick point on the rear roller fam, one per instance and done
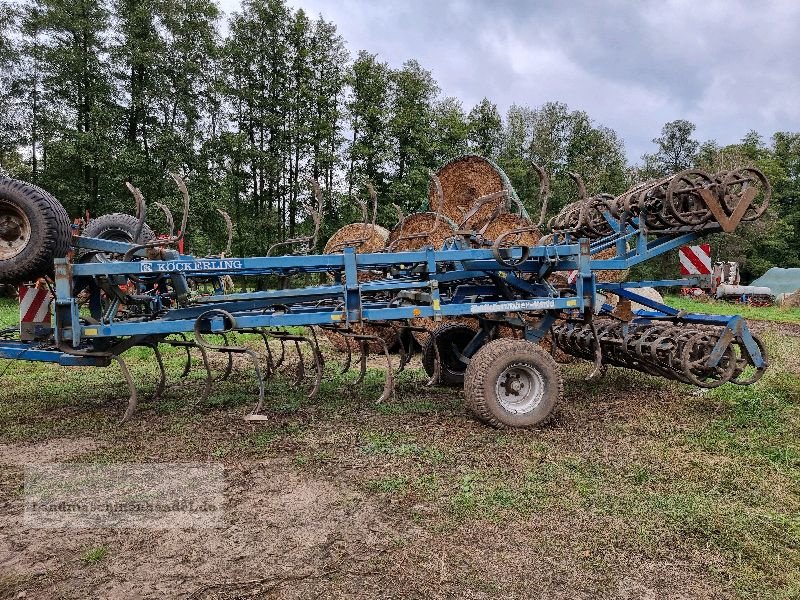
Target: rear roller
(512, 383)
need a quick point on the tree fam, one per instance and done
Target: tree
(485, 129)
(677, 149)
(449, 130)
(413, 93)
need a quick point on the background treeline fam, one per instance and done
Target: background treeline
(94, 93)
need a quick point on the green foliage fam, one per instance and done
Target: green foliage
(94, 93)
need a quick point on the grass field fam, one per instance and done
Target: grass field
(637, 488)
(718, 307)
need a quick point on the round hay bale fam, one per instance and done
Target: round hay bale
(509, 222)
(609, 275)
(364, 237)
(436, 232)
(340, 342)
(647, 292)
(464, 180)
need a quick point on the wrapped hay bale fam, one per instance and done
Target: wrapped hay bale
(509, 222)
(464, 180)
(408, 235)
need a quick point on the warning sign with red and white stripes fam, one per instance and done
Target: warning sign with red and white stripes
(695, 260)
(34, 304)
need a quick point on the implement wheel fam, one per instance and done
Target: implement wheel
(115, 227)
(512, 383)
(452, 339)
(34, 230)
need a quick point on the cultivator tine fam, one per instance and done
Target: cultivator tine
(230, 324)
(362, 361)
(229, 230)
(162, 379)
(315, 346)
(582, 194)
(209, 375)
(544, 192)
(133, 399)
(167, 216)
(301, 365)
(229, 366)
(188, 365)
(141, 210)
(185, 195)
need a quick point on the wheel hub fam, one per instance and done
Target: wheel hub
(15, 230)
(520, 388)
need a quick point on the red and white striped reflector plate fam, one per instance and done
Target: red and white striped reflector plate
(695, 260)
(34, 305)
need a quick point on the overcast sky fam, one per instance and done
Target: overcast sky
(728, 66)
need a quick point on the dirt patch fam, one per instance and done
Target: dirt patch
(57, 450)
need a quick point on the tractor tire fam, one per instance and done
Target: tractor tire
(511, 383)
(447, 336)
(34, 230)
(116, 227)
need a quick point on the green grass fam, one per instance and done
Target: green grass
(719, 307)
(95, 555)
(633, 469)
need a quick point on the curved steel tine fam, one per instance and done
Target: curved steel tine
(363, 361)
(265, 339)
(437, 363)
(315, 348)
(229, 366)
(579, 182)
(388, 384)
(254, 416)
(301, 365)
(141, 211)
(316, 213)
(349, 355)
(133, 399)
(404, 353)
(168, 216)
(185, 193)
(544, 192)
(401, 217)
(229, 230)
(162, 380)
(283, 353)
(439, 197)
(209, 375)
(188, 365)
(599, 368)
(318, 369)
(373, 196)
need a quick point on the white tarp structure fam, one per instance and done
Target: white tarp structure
(780, 281)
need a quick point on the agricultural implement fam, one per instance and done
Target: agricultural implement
(483, 304)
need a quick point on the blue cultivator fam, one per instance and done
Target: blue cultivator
(120, 293)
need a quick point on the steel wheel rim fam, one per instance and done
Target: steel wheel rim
(15, 230)
(519, 388)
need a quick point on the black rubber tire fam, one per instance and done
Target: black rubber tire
(49, 231)
(452, 370)
(489, 364)
(117, 227)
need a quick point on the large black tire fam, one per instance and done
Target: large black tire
(34, 230)
(446, 336)
(511, 383)
(117, 227)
